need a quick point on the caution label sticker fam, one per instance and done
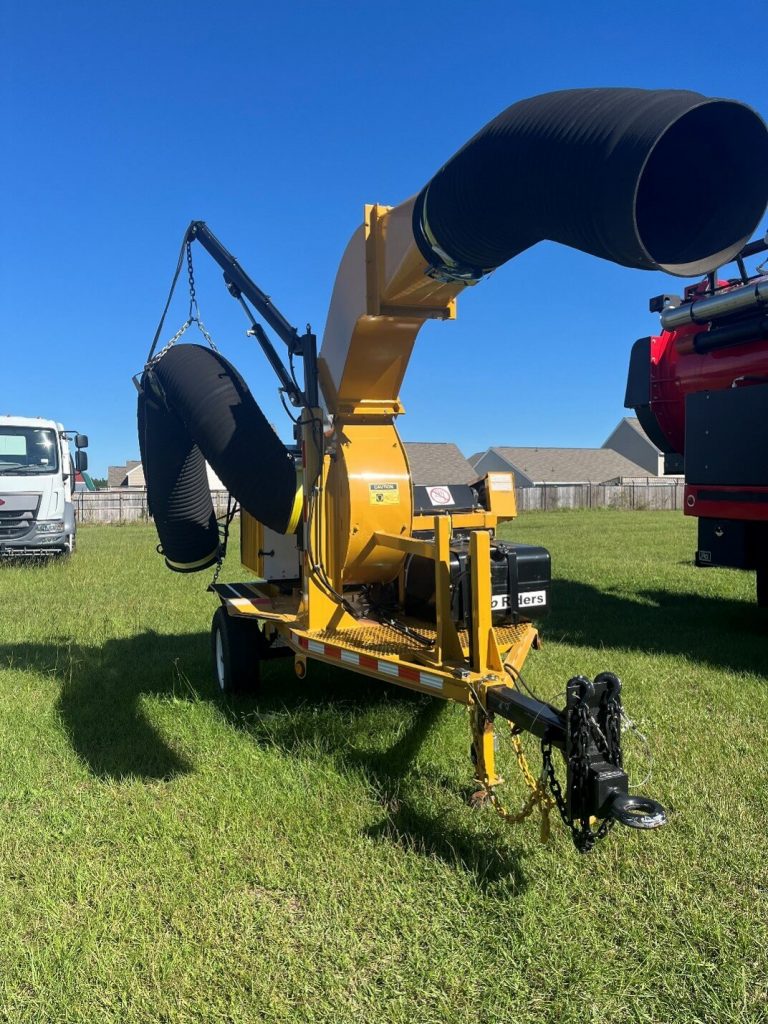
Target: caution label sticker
(501, 481)
(384, 494)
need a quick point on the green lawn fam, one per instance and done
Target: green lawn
(310, 857)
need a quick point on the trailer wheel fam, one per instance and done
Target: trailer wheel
(236, 653)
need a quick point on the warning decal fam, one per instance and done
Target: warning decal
(501, 481)
(440, 496)
(384, 494)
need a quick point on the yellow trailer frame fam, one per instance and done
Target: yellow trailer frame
(459, 665)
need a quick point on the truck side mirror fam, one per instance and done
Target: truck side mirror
(81, 461)
(81, 440)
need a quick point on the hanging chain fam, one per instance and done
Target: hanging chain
(537, 796)
(217, 570)
(583, 725)
(613, 716)
(192, 318)
(167, 347)
(232, 510)
(194, 309)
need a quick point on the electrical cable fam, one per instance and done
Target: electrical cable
(389, 620)
(630, 725)
(289, 414)
(313, 521)
(516, 675)
(293, 371)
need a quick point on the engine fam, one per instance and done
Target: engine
(520, 581)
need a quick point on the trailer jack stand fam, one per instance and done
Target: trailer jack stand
(588, 733)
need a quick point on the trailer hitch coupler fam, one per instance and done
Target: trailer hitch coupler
(636, 811)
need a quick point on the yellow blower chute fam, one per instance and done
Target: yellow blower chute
(355, 566)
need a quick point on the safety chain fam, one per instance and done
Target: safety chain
(537, 797)
(217, 570)
(613, 716)
(546, 791)
(232, 510)
(583, 725)
(584, 837)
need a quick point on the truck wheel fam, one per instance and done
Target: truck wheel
(68, 550)
(236, 653)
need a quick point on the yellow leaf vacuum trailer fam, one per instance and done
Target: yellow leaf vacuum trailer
(354, 565)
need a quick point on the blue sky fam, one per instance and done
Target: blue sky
(121, 122)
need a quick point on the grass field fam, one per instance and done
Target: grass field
(309, 856)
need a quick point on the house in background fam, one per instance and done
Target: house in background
(533, 466)
(131, 475)
(626, 456)
(441, 462)
(438, 462)
(630, 440)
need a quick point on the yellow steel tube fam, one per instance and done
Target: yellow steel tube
(447, 647)
(410, 545)
(483, 646)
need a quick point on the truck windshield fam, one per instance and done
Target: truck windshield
(28, 451)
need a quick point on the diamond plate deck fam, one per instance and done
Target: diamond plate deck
(382, 641)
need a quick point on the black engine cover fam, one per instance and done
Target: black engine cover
(520, 581)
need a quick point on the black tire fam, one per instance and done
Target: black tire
(236, 646)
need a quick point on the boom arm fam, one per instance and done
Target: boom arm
(241, 287)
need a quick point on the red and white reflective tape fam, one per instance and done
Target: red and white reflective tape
(366, 661)
(249, 602)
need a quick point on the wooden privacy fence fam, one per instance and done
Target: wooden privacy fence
(123, 505)
(667, 495)
(128, 506)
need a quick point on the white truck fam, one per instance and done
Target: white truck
(37, 480)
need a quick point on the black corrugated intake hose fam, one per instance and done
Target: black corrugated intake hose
(653, 179)
(195, 407)
(177, 485)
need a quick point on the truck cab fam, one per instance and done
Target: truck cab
(37, 480)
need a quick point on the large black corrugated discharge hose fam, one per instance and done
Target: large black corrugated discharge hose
(194, 406)
(646, 178)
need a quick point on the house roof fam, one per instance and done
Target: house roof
(438, 462)
(132, 475)
(634, 423)
(570, 465)
(120, 476)
(115, 476)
